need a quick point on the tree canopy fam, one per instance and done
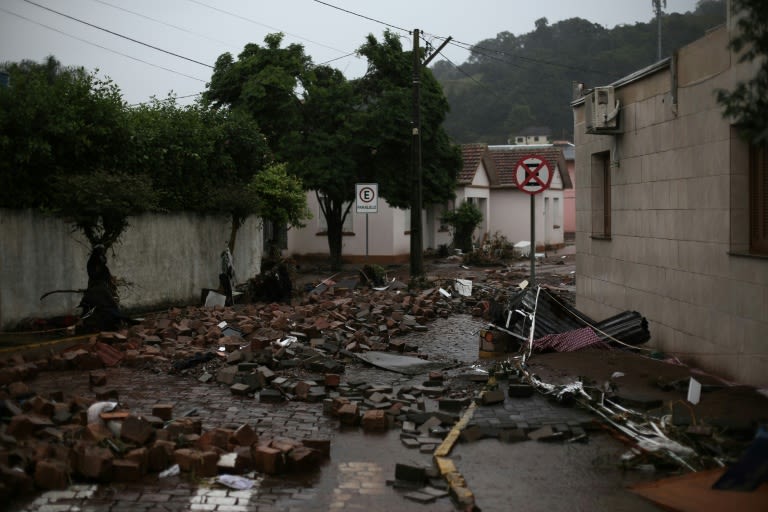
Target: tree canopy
(334, 132)
(512, 82)
(747, 103)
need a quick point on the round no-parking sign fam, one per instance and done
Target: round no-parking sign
(533, 174)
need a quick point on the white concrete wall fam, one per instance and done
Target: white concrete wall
(388, 239)
(166, 258)
(678, 217)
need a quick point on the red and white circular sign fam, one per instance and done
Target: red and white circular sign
(533, 174)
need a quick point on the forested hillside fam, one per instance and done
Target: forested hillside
(512, 82)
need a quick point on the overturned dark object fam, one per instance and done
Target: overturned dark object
(274, 283)
(554, 316)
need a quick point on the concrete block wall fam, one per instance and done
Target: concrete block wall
(165, 258)
(679, 220)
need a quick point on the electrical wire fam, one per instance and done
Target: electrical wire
(118, 35)
(361, 16)
(102, 47)
(182, 29)
(238, 16)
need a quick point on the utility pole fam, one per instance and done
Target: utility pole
(417, 242)
(658, 5)
(417, 250)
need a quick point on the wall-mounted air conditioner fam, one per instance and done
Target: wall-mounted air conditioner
(602, 111)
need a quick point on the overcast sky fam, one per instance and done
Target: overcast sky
(198, 31)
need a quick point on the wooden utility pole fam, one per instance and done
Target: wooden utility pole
(417, 257)
(417, 242)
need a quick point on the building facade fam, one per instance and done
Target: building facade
(667, 204)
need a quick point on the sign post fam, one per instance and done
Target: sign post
(533, 175)
(366, 201)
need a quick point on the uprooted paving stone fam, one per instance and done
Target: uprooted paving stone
(48, 442)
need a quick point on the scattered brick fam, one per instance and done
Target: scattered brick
(51, 474)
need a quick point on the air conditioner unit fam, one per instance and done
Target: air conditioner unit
(602, 111)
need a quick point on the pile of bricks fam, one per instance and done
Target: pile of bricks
(47, 442)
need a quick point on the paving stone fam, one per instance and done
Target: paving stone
(410, 473)
(420, 497)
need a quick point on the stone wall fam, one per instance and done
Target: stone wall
(165, 258)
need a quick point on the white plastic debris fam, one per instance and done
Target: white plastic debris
(616, 375)
(215, 299)
(445, 293)
(239, 483)
(463, 287)
(95, 410)
(171, 471)
(288, 341)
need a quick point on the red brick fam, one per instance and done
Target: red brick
(136, 430)
(97, 432)
(245, 436)
(332, 380)
(303, 459)
(267, 460)
(97, 378)
(41, 406)
(189, 460)
(160, 455)
(375, 420)
(25, 425)
(124, 470)
(349, 414)
(95, 462)
(51, 474)
(209, 464)
(302, 389)
(141, 457)
(163, 411)
(321, 445)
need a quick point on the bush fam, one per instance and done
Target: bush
(463, 221)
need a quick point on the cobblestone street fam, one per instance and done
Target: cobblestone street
(362, 465)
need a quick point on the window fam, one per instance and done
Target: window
(758, 199)
(601, 195)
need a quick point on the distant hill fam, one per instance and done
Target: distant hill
(512, 82)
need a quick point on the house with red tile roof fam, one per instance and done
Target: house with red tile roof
(486, 179)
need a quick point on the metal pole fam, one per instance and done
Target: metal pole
(533, 240)
(366, 238)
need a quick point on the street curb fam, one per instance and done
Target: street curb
(456, 483)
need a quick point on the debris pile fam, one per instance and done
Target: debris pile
(48, 441)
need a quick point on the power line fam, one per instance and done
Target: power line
(362, 16)
(102, 47)
(118, 35)
(238, 16)
(466, 46)
(223, 43)
(470, 76)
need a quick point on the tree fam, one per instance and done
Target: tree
(332, 132)
(200, 159)
(386, 95)
(99, 203)
(747, 103)
(463, 220)
(55, 121)
(330, 157)
(280, 198)
(265, 82)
